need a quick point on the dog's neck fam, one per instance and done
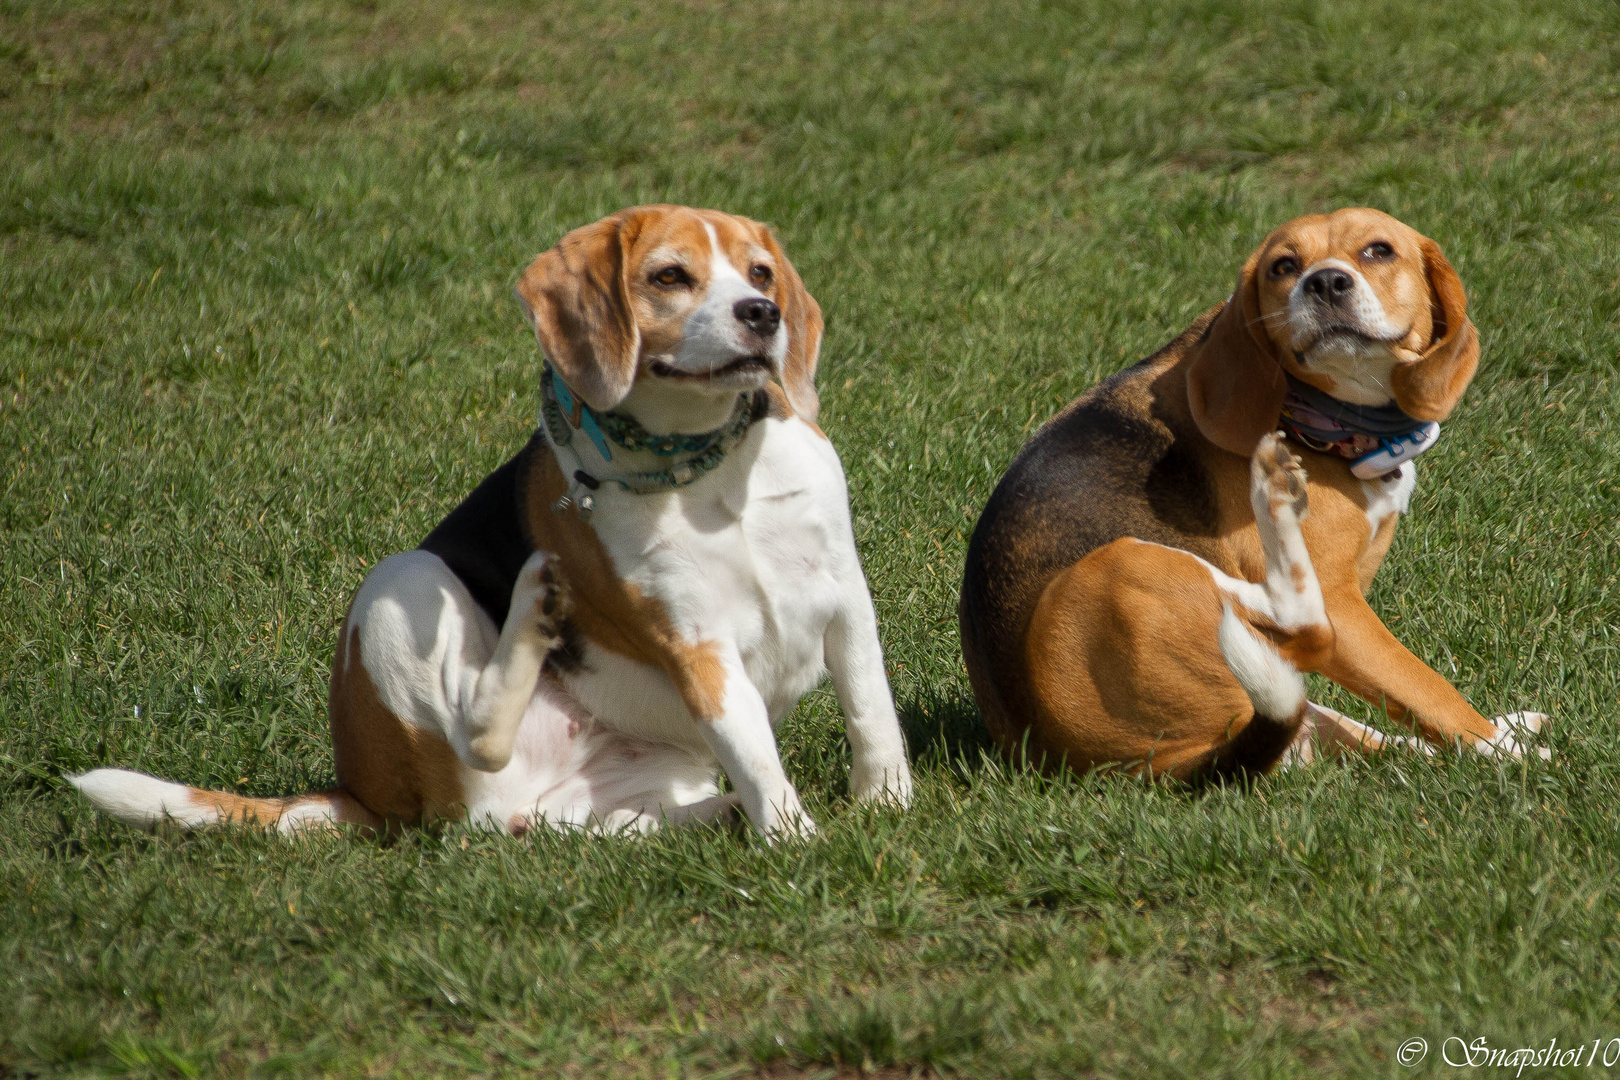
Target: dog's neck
(616, 449)
(1325, 419)
(1377, 440)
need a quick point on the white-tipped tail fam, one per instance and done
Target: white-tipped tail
(139, 799)
(145, 801)
(1275, 688)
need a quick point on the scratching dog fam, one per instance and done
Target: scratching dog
(632, 601)
(1167, 555)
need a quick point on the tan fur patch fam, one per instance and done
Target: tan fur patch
(612, 613)
(344, 808)
(393, 768)
(1372, 556)
(240, 808)
(1125, 664)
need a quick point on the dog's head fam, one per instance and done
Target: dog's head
(676, 301)
(1354, 303)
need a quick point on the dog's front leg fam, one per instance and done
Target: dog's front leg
(742, 739)
(1368, 661)
(878, 768)
(490, 715)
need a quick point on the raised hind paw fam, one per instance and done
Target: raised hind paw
(1277, 493)
(540, 596)
(1277, 480)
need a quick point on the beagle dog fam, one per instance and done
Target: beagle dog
(1167, 555)
(633, 600)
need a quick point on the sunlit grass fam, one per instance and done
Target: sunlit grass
(257, 331)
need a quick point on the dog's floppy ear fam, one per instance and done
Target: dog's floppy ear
(577, 297)
(1429, 387)
(802, 317)
(1235, 386)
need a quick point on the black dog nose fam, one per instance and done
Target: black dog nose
(758, 314)
(1328, 285)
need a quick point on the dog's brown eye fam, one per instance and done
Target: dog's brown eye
(760, 275)
(1378, 251)
(671, 276)
(1287, 266)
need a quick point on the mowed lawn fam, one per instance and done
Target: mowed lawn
(257, 331)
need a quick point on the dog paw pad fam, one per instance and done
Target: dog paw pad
(1280, 474)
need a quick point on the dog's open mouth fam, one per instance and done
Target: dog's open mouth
(743, 365)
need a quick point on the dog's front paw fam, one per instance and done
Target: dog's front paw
(1513, 732)
(797, 827)
(1277, 479)
(888, 784)
(784, 819)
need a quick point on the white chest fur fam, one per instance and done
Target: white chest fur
(752, 560)
(1389, 495)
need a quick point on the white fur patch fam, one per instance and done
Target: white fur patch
(713, 336)
(1275, 688)
(138, 799)
(315, 811)
(1391, 496)
(1513, 732)
(1360, 369)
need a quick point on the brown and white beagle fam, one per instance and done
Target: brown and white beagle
(1145, 586)
(635, 598)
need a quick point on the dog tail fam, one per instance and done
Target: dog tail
(145, 801)
(1276, 690)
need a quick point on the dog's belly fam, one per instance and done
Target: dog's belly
(567, 768)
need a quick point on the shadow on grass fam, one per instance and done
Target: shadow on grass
(945, 729)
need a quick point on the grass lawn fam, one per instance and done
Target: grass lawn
(257, 331)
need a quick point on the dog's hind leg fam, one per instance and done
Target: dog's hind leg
(1153, 657)
(1328, 733)
(1270, 632)
(437, 661)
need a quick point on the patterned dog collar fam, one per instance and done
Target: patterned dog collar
(1376, 439)
(561, 414)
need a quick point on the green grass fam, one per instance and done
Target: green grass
(257, 332)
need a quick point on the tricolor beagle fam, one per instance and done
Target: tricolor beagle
(634, 599)
(1145, 587)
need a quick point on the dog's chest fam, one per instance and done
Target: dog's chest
(750, 564)
(1389, 496)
